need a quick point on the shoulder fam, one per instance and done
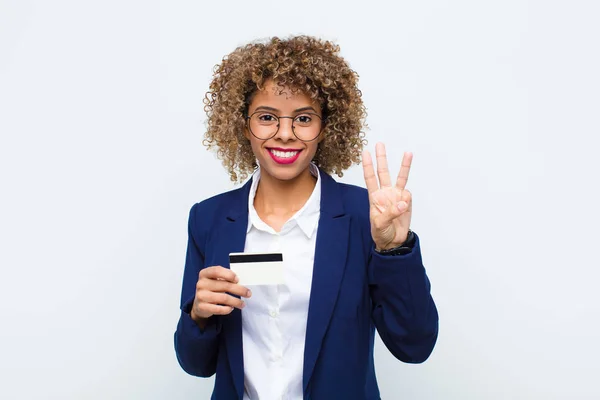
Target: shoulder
(221, 200)
(355, 198)
(356, 202)
(203, 214)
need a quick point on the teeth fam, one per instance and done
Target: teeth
(283, 154)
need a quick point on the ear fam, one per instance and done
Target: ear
(323, 130)
(246, 132)
(321, 136)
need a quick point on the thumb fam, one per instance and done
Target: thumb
(398, 209)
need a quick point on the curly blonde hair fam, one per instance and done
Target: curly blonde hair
(303, 64)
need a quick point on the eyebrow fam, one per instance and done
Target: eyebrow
(267, 108)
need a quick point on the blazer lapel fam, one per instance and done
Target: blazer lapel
(328, 270)
(231, 237)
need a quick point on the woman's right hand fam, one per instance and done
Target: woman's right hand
(214, 291)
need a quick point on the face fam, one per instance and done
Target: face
(283, 156)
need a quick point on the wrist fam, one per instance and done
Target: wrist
(392, 245)
(200, 321)
(196, 317)
(386, 247)
(398, 249)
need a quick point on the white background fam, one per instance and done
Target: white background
(101, 125)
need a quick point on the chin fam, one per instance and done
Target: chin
(286, 173)
(283, 172)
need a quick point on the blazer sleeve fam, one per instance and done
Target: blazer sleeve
(196, 348)
(404, 312)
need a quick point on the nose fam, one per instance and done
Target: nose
(285, 132)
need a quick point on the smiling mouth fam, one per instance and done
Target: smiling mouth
(284, 153)
(284, 156)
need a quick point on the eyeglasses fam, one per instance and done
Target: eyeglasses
(265, 125)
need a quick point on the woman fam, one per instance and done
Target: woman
(289, 112)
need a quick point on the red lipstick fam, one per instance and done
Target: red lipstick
(284, 156)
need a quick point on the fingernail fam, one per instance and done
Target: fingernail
(248, 293)
(402, 205)
(243, 305)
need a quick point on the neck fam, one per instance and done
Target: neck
(283, 198)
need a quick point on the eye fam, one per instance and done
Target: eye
(303, 119)
(265, 118)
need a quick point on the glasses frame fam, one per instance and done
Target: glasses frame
(249, 117)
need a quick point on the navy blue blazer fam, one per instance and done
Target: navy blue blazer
(354, 290)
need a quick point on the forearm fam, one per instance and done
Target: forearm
(197, 343)
(403, 310)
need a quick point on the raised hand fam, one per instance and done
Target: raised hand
(390, 206)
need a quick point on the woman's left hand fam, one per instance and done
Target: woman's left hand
(390, 206)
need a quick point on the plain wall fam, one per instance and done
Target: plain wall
(101, 124)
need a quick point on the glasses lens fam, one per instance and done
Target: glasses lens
(307, 126)
(264, 125)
